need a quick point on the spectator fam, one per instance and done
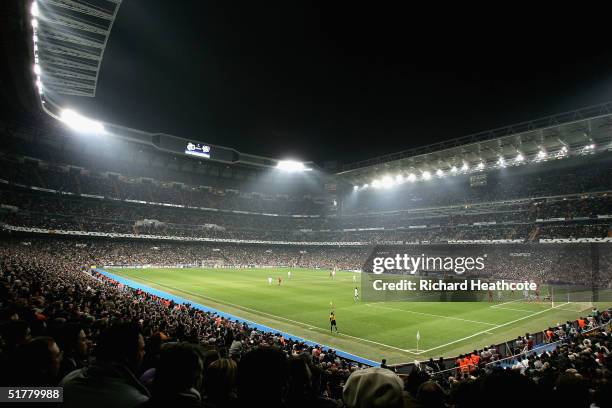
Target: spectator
(220, 382)
(110, 380)
(372, 388)
(178, 377)
(35, 363)
(262, 378)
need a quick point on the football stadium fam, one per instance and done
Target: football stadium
(159, 252)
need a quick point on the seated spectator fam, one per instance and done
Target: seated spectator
(220, 382)
(110, 381)
(431, 395)
(262, 378)
(178, 377)
(373, 387)
(572, 390)
(35, 363)
(73, 343)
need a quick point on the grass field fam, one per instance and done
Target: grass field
(301, 306)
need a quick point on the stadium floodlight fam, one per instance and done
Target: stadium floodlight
(465, 167)
(501, 162)
(39, 85)
(34, 23)
(291, 166)
(541, 155)
(80, 123)
(376, 183)
(411, 177)
(426, 175)
(399, 179)
(37, 69)
(355, 188)
(387, 182)
(34, 9)
(519, 157)
(366, 185)
(454, 169)
(481, 166)
(439, 173)
(564, 149)
(591, 146)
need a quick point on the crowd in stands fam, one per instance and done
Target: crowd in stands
(510, 221)
(544, 180)
(109, 345)
(524, 204)
(577, 373)
(114, 186)
(131, 253)
(54, 305)
(551, 263)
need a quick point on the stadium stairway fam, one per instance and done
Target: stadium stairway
(533, 234)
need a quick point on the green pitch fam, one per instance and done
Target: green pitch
(301, 306)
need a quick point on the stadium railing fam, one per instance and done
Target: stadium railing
(407, 368)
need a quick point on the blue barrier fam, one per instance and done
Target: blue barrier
(180, 300)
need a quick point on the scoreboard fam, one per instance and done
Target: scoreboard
(198, 149)
(195, 149)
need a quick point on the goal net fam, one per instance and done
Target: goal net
(571, 298)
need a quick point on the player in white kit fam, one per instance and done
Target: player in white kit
(356, 296)
(269, 280)
(288, 274)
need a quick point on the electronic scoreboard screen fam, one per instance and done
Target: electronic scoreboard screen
(194, 149)
(198, 149)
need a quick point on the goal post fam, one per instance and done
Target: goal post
(569, 297)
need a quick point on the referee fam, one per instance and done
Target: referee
(332, 322)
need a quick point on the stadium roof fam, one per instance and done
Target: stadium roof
(583, 131)
(70, 37)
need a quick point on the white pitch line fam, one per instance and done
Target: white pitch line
(433, 315)
(485, 331)
(278, 317)
(505, 303)
(509, 308)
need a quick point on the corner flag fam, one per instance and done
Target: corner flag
(418, 338)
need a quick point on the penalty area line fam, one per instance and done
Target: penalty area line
(506, 303)
(509, 308)
(432, 315)
(488, 330)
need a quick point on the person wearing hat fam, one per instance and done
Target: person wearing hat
(373, 387)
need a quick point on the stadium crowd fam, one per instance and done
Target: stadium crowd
(582, 218)
(55, 306)
(110, 345)
(181, 191)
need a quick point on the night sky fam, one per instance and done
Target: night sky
(342, 82)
